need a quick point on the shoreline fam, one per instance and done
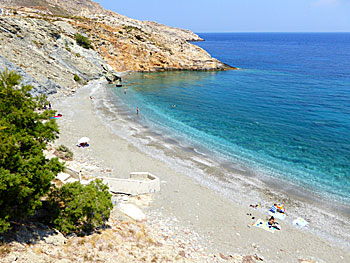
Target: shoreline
(192, 203)
(234, 179)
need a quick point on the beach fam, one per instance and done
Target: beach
(222, 223)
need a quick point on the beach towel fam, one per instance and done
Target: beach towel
(277, 215)
(300, 222)
(55, 117)
(273, 209)
(264, 225)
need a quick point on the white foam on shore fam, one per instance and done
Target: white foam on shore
(235, 186)
(203, 161)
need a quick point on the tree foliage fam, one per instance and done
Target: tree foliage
(25, 173)
(75, 208)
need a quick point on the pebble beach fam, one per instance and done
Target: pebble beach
(222, 225)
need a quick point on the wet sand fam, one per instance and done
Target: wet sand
(218, 218)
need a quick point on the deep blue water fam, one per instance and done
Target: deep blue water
(287, 111)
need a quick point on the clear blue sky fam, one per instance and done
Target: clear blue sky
(240, 15)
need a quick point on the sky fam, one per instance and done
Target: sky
(240, 15)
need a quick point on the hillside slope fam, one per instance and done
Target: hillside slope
(38, 40)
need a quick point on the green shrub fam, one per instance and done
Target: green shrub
(77, 78)
(128, 29)
(63, 148)
(75, 208)
(64, 153)
(77, 55)
(25, 173)
(83, 41)
(67, 47)
(38, 44)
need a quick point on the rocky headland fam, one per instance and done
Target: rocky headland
(37, 39)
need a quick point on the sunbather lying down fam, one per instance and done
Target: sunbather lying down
(273, 224)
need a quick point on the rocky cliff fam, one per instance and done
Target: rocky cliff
(38, 40)
(46, 55)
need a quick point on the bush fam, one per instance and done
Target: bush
(64, 153)
(75, 208)
(25, 173)
(77, 78)
(83, 41)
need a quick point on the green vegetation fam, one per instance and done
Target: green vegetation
(25, 173)
(76, 208)
(77, 55)
(67, 47)
(64, 153)
(128, 29)
(83, 41)
(77, 78)
(38, 44)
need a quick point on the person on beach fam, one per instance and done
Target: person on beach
(137, 110)
(272, 223)
(50, 106)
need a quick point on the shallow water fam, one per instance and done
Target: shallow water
(235, 181)
(276, 130)
(286, 114)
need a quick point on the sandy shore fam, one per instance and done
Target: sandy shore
(222, 223)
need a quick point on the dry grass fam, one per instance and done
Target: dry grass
(93, 243)
(110, 246)
(81, 241)
(5, 249)
(37, 250)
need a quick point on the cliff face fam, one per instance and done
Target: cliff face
(146, 46)
(37, 39)
(46, 55)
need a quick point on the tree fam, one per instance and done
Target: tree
(78, 208)
(25, 173)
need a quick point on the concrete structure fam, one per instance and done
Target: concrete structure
(138, 183)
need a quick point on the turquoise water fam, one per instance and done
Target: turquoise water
(287, 112)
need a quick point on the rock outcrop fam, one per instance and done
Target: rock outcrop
(45, 53)
(37, 39)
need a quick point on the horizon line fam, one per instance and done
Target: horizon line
(285, 32)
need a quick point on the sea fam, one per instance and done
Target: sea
(281, 123)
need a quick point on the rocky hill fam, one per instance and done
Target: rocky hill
(46, 55)
(38, 40)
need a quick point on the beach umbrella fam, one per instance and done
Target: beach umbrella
(83, 140)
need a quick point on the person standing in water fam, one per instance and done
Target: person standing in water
(137, 110)
(124, 91)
